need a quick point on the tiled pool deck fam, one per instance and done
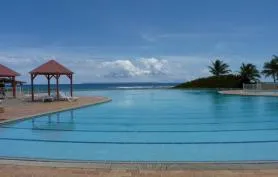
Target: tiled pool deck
(16, 110)
(38, 169)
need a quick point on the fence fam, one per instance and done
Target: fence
(21, 91)
(42, 90)
(261, 88)
(251, 86)
(9, 92)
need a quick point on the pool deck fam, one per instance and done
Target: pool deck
(56, 169)
(248, 93)
(17, 110)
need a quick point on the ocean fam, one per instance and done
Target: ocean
(104, 86)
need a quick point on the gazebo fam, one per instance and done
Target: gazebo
(9, 74)
(51, 69)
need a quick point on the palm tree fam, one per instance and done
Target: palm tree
(218, 68)
(271, 68)
(249, 72)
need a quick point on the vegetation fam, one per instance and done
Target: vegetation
(224, 81)
(218, 68)
(249, 73)
(270, 68)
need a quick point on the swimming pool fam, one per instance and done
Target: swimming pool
(151, 125)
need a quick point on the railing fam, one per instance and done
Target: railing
(250, 87)
(42, 91)
(9, 92)
(263, 87)
(20, 92)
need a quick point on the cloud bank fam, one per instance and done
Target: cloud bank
(129, 70)
(135, 68)
(92, 69)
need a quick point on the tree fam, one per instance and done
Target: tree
(218, 68)
(271, 68)
(249, 72)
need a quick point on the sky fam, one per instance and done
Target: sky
(136, 41)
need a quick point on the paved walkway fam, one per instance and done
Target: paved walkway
(33, 171)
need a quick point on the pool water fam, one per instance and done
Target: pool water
(151, 125)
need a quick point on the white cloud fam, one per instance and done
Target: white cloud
(148, 37)
(122, 68)
(155, 66)
(105, 69)
(134, 68)
(100, 69)
(225, 31)
(89, 68)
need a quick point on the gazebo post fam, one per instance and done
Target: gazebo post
(32, 87)
(57, 86)
(48, 84)
(14, 86)
(71, 85)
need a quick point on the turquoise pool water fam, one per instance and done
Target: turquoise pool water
(151, 125)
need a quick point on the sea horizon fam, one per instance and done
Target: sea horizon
(106, 86)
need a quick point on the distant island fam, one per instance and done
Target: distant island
(223, 81)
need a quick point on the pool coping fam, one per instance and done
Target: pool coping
(143, 165)
(105, 100)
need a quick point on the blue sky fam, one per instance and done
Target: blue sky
(130, 40)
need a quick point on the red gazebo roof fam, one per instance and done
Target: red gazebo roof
(51, 67)
(7, 72)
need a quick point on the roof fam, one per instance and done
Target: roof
(7, 72)
(51, 67)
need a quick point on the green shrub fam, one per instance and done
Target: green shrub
(224, 81)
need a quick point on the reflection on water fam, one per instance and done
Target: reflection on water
(54, 122)
(270, 105)
(218, 105)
